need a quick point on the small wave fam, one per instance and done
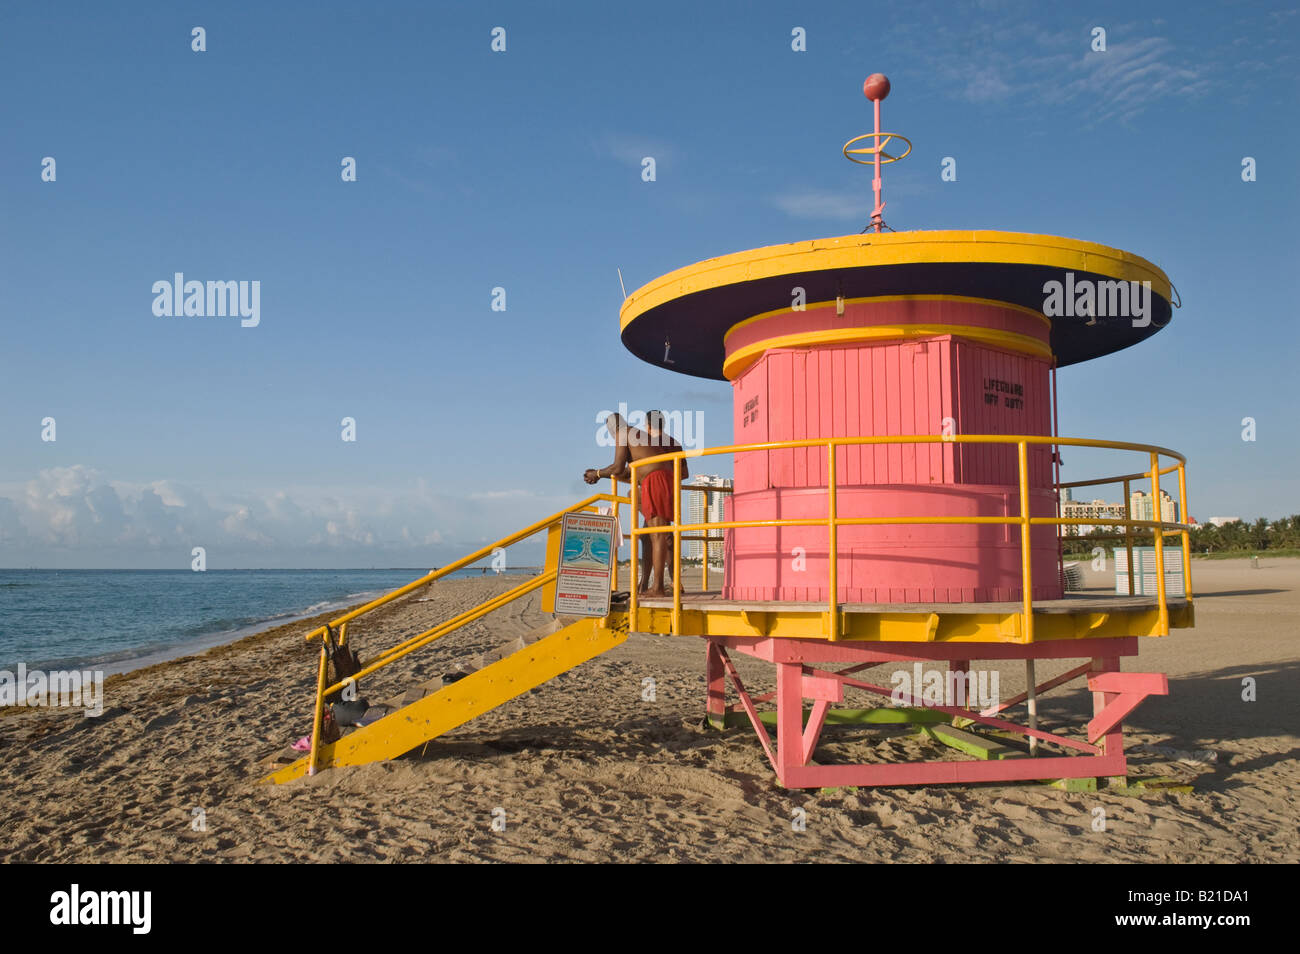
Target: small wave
(311, 610)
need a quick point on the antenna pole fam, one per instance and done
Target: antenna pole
(877, 214)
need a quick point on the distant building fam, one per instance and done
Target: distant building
(1099, 510)
(693, 511)
(1220, 521)
(1142, 506)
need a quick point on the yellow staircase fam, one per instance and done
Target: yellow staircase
(451, 706)
(428, 711)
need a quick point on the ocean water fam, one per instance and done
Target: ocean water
(115, 620)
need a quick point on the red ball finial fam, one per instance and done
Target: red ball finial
(876, 86)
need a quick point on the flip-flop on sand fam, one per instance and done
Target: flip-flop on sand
(302, 745)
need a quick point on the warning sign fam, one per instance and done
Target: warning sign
(586, 565)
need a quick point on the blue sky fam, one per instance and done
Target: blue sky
(522, 170)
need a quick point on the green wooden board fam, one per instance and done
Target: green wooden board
(965, 741)
(882, 715)
(1073, 784)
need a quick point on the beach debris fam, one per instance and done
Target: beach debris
(1135, 788)
(373, 714)
(349, 712)
(1197, 757)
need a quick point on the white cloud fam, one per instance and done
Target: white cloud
(1007, 58)
(822, 204)
(633, 148)
(74, 516)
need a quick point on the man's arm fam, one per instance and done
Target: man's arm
(621, 456)
(617, 469)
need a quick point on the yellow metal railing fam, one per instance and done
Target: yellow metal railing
(434, 575)
(1127, 535)
(706, 536)
(833, 521)
(420, 640)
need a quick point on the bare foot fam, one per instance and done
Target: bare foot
(657, 591)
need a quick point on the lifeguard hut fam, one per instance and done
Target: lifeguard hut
(895, 501)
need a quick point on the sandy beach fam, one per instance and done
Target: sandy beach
(586, 770)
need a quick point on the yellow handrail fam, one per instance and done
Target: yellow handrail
(613, 576)
(318, 717)
(1160, 548)
(420, 640)
(1026, 522)
(435, 575)
(903, 521)
(677, 545)
(1026, 564)
(1100, 481)
(832, 535)
(1128, 530)
(1186, 534)
(634, 496)
(911, 439)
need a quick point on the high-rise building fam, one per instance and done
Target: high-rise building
(693, 511)
(1143, 507)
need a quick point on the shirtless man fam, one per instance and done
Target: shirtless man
(655, 490)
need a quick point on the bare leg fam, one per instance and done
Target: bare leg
(646, 559)
(659, 543)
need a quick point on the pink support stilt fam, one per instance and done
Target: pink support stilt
(715, 677)
(1112, 744)
(960, 666)
(789, 718)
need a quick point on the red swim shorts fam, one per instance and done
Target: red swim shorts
(656, 494)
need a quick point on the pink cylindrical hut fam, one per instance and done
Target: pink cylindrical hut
(890, 366)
